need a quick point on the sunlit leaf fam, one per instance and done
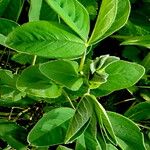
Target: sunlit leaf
(46, 39)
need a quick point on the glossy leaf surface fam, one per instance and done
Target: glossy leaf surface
(105, 19)
(63, 72)
(74, 15)
(46, 39)
(123, 11)
(122, 74)
(51, 124)
(128, 134)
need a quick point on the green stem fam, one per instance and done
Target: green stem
(34, 60)
(143, 126)
(82, 62)
(68, 98)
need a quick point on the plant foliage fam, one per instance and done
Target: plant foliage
(53, 98)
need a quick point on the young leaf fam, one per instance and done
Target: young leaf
(138, 40)
(34, 11)
(98, 70)
(34, 83)
(127, 133)
(46, 39)
(13, 134)
(122, 75)
(139, 112)
(74, 15)
(51, 128)
(122, 16)
(63, 72)
(105, 19)
(80, 119)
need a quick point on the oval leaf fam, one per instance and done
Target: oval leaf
(106, 17)
(122, 75)
(128, 134)
(63, 72)
(139, 112)
(51, 128)
(74, 15)
(122, 16)
(33, 82)
(46, 39)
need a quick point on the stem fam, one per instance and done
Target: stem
(126, 100)
(68, 98)
(22, 112)
(34, 60)
(143, 126)
(82, 62)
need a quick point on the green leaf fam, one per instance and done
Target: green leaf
(105, 19)
(80, 143)
(46, 39)
(97, 68)
(13, 134)
(138, 40)
(128, 134)
(24, 102)
(134, 29)
(122, 75)
(63, 72)
(80, 119)
(47, 13)
(139, 112)
(74, 15)
(91, 139)
(122, 16)
(33, 82)
(6, 26)
(60, 147)
(3, 6)
(8, 90)
(2, 39)
(34, 11)
(13, 9)
(91, 6)
(23, 59)
(103, 119)
(51, 128)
